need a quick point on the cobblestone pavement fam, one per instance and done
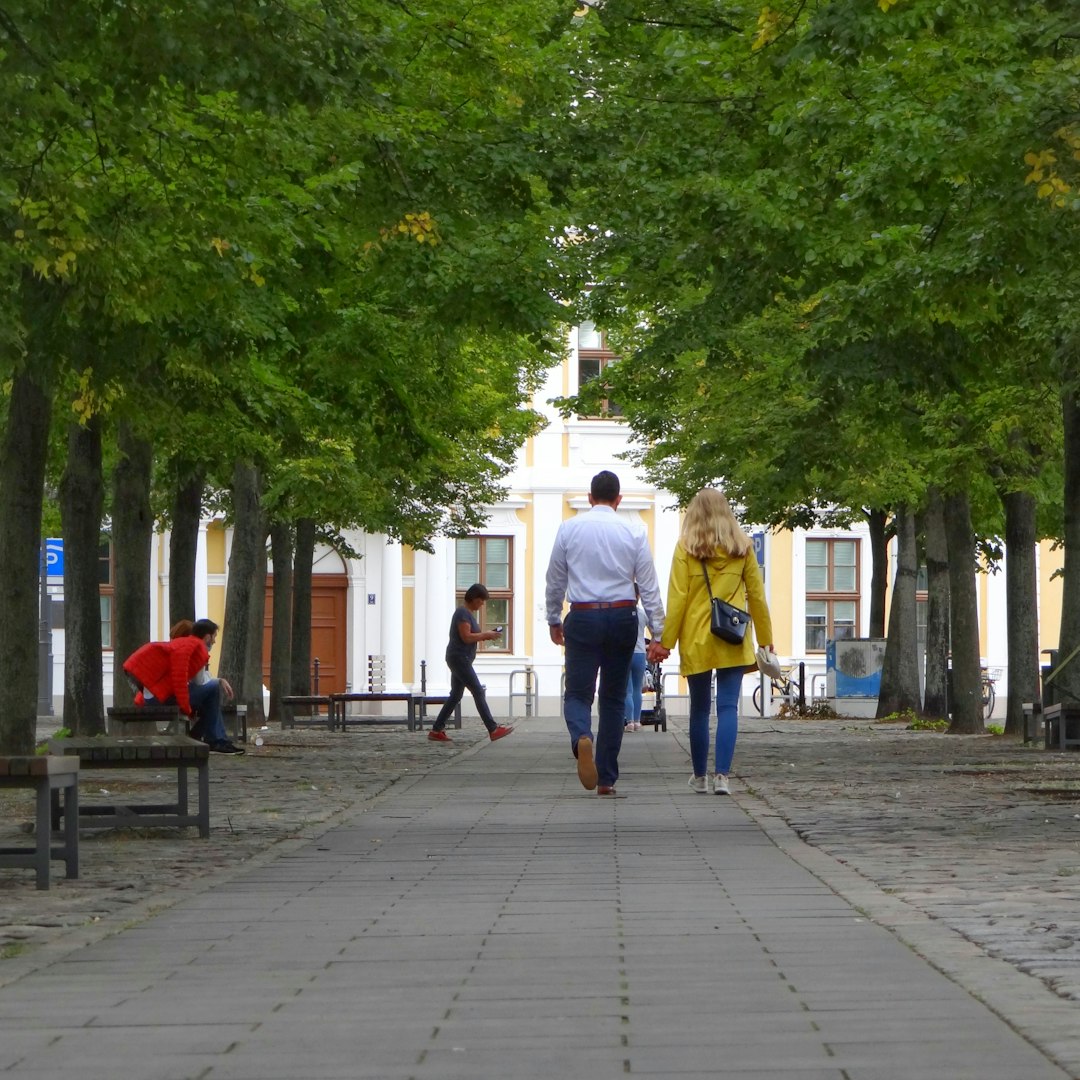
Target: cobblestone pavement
(980, 833)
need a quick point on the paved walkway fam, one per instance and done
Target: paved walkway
(488, 918)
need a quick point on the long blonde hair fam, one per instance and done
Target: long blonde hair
(709, 524)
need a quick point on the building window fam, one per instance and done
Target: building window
(832, 591)
(106, 589)
(593, 356)
(489, 560)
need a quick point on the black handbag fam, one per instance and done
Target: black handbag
(728, 622)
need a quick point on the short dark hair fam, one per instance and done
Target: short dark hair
(605, 487)
(203, 627)
(476, 592)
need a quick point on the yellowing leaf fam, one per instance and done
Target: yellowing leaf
(768, 28)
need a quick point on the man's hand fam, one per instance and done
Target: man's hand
(656, 652)
(226, 689)
(555, 629)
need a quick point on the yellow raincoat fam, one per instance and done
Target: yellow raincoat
(736, 579)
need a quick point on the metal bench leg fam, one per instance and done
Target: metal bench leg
(181, 789)
(71, 830)
(43, 833)
(203, 768)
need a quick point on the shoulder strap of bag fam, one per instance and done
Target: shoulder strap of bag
(708, 584)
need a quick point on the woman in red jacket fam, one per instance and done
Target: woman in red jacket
(167, 671)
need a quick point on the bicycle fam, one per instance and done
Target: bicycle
(989, 697)
(782, 688)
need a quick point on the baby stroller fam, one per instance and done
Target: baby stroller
(652, 697)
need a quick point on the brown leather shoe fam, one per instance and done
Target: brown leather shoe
(604, 789)
(586, 767)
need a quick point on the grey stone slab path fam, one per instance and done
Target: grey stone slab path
(489, 918)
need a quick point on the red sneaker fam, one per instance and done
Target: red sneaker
(500, 732)
(603, 789)
(438, 736)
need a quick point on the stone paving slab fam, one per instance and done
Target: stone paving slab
(670, 890)
(488, 918)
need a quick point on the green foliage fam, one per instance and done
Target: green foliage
(315, 235)
(816, 247)
(921, 723)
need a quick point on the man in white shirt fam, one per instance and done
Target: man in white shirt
(596, 559)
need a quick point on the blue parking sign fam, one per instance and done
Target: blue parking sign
(759, 548)
(54, 557)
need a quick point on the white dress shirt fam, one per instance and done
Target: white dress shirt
(597, 557)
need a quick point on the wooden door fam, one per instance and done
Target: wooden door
(329, 640)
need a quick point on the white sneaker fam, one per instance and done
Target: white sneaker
(710, 782)
(720, 785)
(697, 784)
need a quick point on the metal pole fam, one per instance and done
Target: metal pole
(45, 656)
(423, 677)
(315, 678)
(802, 687)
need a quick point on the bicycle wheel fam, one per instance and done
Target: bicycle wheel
(989, 700)
(755, 697)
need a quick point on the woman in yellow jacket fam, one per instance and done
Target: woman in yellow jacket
(712, 542)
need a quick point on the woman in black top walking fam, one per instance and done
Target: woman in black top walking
(465, 632)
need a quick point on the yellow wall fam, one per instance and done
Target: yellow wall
(215, 594)
(1050, 597)
(525, 515)
(778, 577)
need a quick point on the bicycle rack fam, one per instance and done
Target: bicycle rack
(531, 691)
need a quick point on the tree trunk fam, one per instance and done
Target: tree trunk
(1021, 605)
(247, 561)
(133, 538)
(184, 546)
(303, 562)
(879, 574)
(23, 453)
(281, 548)
(82, 498)
(900, 674)
(253, 654)
(1067, 683)
(966, 701)
(935, 693)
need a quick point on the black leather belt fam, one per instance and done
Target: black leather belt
(600, 605)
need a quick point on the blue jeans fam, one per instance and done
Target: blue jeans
(632, 714)
(206, 704)
(463, 676)
(599, 642)
(728, 684)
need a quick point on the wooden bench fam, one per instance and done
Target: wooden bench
(313, 702)
(341, 717)
(157, 752)
(48, 776)
(121, 720)
(424, 700)
(235, 718)
(1062, 723)
(1034, 723)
